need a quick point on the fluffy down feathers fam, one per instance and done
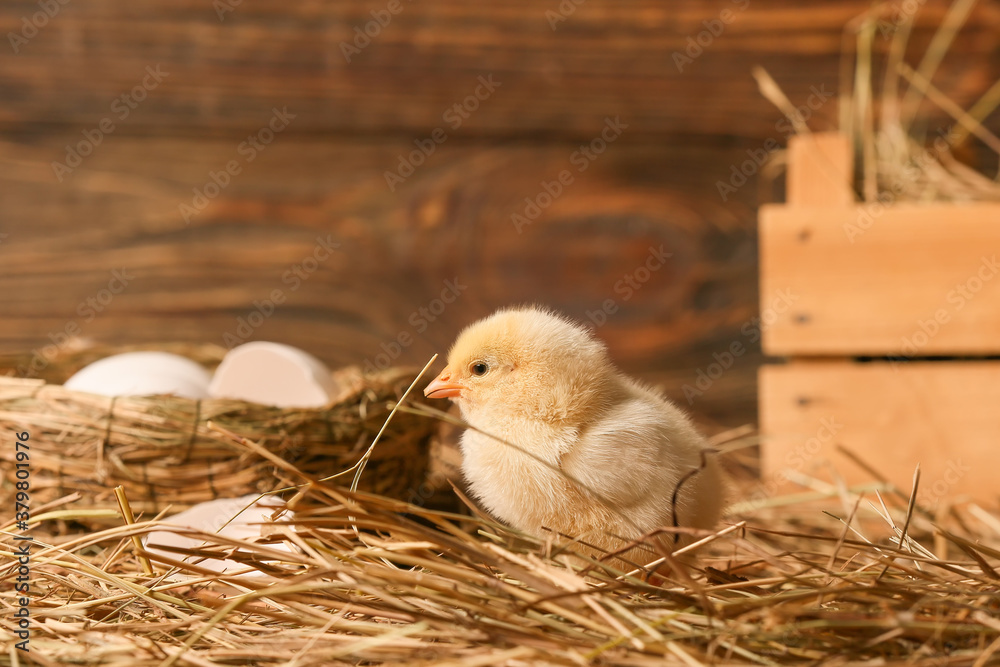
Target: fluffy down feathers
(595, 454)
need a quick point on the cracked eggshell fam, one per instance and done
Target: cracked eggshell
(273, 374)
(211, 517)
(142, 374)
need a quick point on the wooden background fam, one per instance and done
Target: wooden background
(324, 174)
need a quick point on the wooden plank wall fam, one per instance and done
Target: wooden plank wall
(209, 85)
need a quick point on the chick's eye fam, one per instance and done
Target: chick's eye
(479, 368)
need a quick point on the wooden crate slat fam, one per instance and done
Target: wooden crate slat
(941, 415)
(819, 170)
(910, 280)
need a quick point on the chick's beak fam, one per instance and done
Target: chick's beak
(443, 387)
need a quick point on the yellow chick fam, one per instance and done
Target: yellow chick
(592, 453)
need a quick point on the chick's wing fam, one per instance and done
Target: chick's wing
(624, 456)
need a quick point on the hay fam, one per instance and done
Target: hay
(361, 578)
(370, 580)
(176, 452)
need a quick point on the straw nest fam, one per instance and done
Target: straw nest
(176, 452)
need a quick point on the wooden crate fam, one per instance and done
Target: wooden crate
(888, 316)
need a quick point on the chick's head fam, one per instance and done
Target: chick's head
(526, 362)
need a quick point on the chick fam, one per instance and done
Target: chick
(592, 453)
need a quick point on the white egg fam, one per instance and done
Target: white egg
(142, 374)
(273, 374)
